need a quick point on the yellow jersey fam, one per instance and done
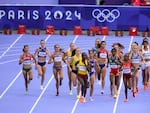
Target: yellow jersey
(74, 61)
(82, 67)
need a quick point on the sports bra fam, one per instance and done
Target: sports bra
(102, 54)
(146, 53)
(42, 52)
(27, 59)
(57, 57)
(126, 67)
(113, 61)
(135, 59)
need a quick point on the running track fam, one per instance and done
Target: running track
(12, 91)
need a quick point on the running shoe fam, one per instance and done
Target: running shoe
(145, 87)
(70, 92)
(82, 99)
(115, 96)
(91, 99)
(57, 93)
(77, 96)
(126, 100)
(102, 91)
(26, 92)
(41, 87)
(134, 94)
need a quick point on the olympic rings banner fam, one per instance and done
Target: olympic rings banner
(66, 17)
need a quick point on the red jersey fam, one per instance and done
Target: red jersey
(126, 67)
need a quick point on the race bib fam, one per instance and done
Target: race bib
(27, 62)
(146, 55)
(103, 55)
(135, 61)
(58, 59)
(42, 54)
(82, 68)
(113, 66)
(126, 70)
(69, 58)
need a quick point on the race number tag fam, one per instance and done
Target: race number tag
(42, 54)
(126, 70)
(58, 59)
(103, 55)
(82, 68)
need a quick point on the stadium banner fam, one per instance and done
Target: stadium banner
(66, 17)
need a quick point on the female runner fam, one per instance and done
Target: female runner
(136, 58)
(119, 47)
(83, 75)
(26, 60)
(69, 55)
(102, 59)
(115, 63)
(126, 66)
(57, 57)
(75, 60)
(93, 64)
(41, 53)
(146, 54)
(97, 45)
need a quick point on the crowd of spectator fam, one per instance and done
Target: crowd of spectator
(126, 2)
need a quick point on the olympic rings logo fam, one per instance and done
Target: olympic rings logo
(106, 15)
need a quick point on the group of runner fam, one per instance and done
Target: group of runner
(84, 68)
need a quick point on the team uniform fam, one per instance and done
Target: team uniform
(114, 74)
(114, 68)
(27, 61)
(146, 55)
(83, 78)
(126, 67)
(42, 54)
(102, 59)
(135, 60)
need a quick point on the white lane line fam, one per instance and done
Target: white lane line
(117, 99)
(76, 102)
(43, 91)
(47, 37)
(104, 37)
(11, 46)
(4, 92)
(75, 105)
(76, 37)
(8, 61)
(35, 104)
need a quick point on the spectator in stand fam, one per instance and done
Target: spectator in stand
(136, 2)
(141, 2)
(100, 2)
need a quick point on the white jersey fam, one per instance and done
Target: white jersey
(146, 53)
